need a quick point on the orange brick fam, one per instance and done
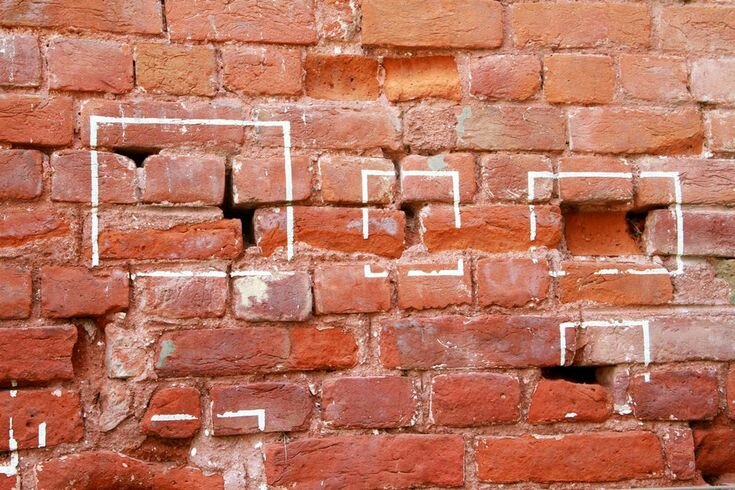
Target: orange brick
(508, 77)
(654, 78)
(341, 77)
(269, 70)
(417, 78)
(578, 79)
(177, 70)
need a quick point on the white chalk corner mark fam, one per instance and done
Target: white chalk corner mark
(11, 469)
(258, 412)
(368, 273)
(458, 272)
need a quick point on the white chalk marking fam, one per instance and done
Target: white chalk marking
(42, 434)
(454, 174)
(13, 393)
(368, 273)
(251, 274)
(364, 174)
(172, 417)
(459, 271)
(259, 412)
(11, 469)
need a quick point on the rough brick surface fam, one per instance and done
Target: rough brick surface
(562, 401)
(369, 402)
(75, 64)
(474, 399)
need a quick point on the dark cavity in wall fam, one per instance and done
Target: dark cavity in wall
(245, 215)
(574, 374)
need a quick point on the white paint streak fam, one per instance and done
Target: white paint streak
(172, 417)
(42, 434)
(258, 412)
(368, 273)
(459, 271)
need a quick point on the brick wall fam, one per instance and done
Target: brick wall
(388, 243)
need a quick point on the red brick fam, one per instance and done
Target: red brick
(262, 179)
(71, 178)
(420, 188)
(173, 401)
(589, 457)
(90, 65)
(599, 233)
(596, 24)
(59, 409)
(218, 239)
(730, 391)
(328, 228)
(490, 228)
(626, 130)
(37, 120)
(711, 80)
(16, 293)
(346, 289)
(106, 469)
(676, 393)
(341, 179)
(596, 190)
(720, 126)
(257, 70)
(475, 399)
(147, 136)
(703, 181)
(678, 443)
(38, 232)
(37, 354)
(279, 22)
(581, 283)
(20, 61)
(332, 126)
(511, 128)
(234, 351)
(563, 401)
(512, 282)
(706, 232)
(395, 461)
(697, 28)
(184, 179)
(715, 450)
(182, 297)
(77, 291)
(505, 77)
(654, 78)
(433, 23)
(418, 78)
(578, 79)
(431, 127)
(287, 408)
(338, 20)
(505, 177)
(490, 341)
(124, 16)
(21, 174)
(277, 296)
(371, 402)
(342, 77)
(176, 69)
(438, 284)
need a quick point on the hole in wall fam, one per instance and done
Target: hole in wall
(636, 221)
(138, 155)
(245, 215)
(573, 374)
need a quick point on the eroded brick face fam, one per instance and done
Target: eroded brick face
(357, 244)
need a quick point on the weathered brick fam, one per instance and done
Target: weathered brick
(287, 407)
(184, 179)
(338, 20)
(37, 354)
(16, 293)
(596, 24)
(262, 179)
(234, 351)
(125, 351)
(654, 78)
(703, 181)
(480, 342)
(511, 128)
(584, 282)
(563, 401)
(490, 228)
(418, 78)
(436, 284)
(505, 77)
(256, 70)
(182, 297)
(505, 177)
(38, 232)
(90, 65)
(475, 399)
(36, 120)
(281, 22)
(431, 127)
(578, 79)
(21, 174)
(418, 187)
(706, 232)
(173, 413)
(715, 450)
(277, 296)
(175, 69)
(512, 282)
(58, 410)
(400, 461)
(676, 393)
(712, 79)
(71, 180)
(342, 77)
(329, 228)
(123, 16)
(592, 190)
(68, 292)
(678, 445)
(369, 402)
(720, 125)
(588, 457)
(20, 61)
(626, 130)
(599, 233)
(698, 28)
(433, 23)
(347, 289)
(341, 178)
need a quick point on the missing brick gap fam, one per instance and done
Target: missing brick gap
(137, 155)
(574, 374)
(245, 215)
(636, 221)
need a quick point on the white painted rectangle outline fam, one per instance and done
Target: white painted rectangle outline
(258, 412)
(95, 121)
